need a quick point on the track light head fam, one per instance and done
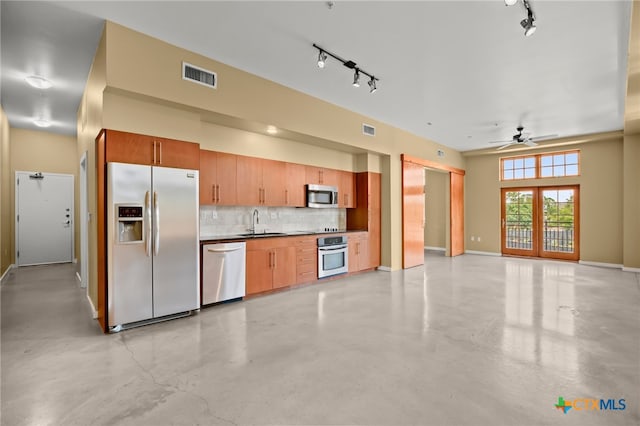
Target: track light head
(372, 85)
(529, 26)
(322, 58)
(510, 2)
(356, 78)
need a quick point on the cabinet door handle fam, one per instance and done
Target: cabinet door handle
(160, 149)
(154, 152)
(275, 258)
(286, 196)
(213, 193)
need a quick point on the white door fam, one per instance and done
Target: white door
(44, 218)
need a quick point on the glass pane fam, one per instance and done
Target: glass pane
(508, 174)
(530, 162)
(572, 158)
(546, 172)
(558, 170)
(558, 159)
(572, 170)
(519, 174)
(518, 163)
(565, 195)
(529, 173)
(508, 164)
(546, 161)
(333, 261)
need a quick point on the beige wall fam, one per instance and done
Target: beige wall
(436, 209)
(5, 191)
(88, 127)
(600, 199)
(631, 199)
(39, 151)
(143, 77)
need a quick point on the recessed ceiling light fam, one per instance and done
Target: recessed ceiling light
(41, 122)
(272, 130)
(38, 82)
(429, 123)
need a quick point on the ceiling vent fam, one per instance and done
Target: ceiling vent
(199, 75)
(368, 130)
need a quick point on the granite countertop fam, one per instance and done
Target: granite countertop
(249, 236)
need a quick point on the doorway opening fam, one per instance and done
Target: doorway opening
(84, 235)
(541, 222)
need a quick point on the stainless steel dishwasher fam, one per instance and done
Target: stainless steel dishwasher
(223, 272)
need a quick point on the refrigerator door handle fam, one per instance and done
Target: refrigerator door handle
(147, 224)
(156, 224)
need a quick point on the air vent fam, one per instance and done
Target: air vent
(199, 75)
(368, 130)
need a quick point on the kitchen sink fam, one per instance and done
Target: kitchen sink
(262, 234)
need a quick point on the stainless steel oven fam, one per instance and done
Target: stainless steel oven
(333, 256)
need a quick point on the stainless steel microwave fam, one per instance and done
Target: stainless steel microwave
(322, 196)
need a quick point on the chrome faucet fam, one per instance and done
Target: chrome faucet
(255, 219)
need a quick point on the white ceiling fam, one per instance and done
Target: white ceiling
(460, 73)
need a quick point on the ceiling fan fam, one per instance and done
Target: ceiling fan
(522, 139)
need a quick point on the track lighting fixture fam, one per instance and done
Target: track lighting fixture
(529, 23)
(372, 86)
(356, 78)
(322, 59)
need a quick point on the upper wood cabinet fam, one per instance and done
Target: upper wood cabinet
(295, 194)
(322, 176)
(260, 182)
(125, 147)
(217, 178)
(346, 189)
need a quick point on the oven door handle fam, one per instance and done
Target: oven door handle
(332, 248)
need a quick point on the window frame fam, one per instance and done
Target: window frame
(538, 165)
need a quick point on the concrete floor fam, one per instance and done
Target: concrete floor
(471, 340)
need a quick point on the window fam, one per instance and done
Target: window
(557, 164)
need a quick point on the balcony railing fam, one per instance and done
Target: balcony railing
(556, 236)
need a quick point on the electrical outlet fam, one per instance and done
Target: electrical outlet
(478, 239)
(473, 238)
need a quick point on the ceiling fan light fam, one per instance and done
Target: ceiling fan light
(529, 26)
(322, 58)
(356, 79)
(38, 82)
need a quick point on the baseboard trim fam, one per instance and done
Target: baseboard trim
(94, 313)
(600, 264)
(634, 270)
(483, 253)
(435, 248)
(10, 267)
(384, 268)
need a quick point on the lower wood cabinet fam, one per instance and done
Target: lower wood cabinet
(306, 259)
(359, 257)
(271, 264)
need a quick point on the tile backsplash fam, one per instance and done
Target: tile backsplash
(227, 220)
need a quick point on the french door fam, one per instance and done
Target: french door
(541, 222)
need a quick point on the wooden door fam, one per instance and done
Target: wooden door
(124, 147)
(226, 170)
(412, 214)
(518, 218)
(259, 273)
(249, 181)
(559, 222)
(284, 266)
(177, 154)
(273, 183)
(295, 195)
(208, 177)
(346, 189)
(456, 213)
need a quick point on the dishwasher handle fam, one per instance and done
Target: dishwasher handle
(223, 250)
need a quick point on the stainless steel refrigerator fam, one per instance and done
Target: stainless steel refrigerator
(153, 244)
